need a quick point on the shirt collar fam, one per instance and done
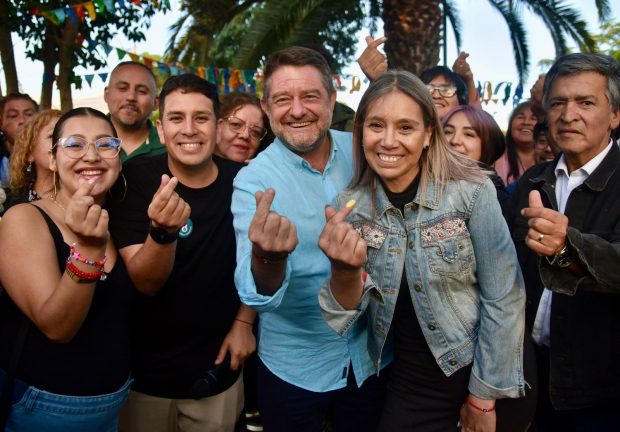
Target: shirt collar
(299, 162)
(588, 168)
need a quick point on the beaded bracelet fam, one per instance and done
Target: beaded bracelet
(77, 279)
(71, 269)
(73, 253)
(277, 260)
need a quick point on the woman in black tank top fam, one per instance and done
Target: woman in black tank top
(64, 306)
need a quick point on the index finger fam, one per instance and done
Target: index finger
(263, 205)
(374, 43)
(167, 190)
(342, 213)
(85, 188)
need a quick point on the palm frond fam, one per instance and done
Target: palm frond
(452, 13)
(604, 9)
(517, 36)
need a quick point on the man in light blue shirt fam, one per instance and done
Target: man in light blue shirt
(306, 370)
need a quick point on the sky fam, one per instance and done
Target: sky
(485, 37)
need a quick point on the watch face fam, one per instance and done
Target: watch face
(564, 261)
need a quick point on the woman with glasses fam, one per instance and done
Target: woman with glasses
(240, 128)
(447, 89)
(421, 255)
(65, 306)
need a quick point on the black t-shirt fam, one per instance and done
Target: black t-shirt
(177, 333)
(96, 361)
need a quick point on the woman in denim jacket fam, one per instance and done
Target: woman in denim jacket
(420, 249)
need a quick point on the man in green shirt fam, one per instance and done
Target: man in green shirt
(131, 96)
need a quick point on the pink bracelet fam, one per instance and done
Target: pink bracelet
(73, 253)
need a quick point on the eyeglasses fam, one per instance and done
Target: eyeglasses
(444, 90)
(75, 147)
(238, 125)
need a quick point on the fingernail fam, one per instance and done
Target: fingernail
(350, 203)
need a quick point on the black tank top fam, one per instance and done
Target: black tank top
(97, 360)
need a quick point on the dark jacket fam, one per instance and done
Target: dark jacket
(585, 310)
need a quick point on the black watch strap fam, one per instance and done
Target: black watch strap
(161, 236)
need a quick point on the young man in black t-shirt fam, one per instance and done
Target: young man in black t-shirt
(175, 233)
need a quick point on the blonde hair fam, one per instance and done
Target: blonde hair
(439, 162)
(24, 142)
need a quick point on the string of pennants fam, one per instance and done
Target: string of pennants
(79, 11)
(250, 80)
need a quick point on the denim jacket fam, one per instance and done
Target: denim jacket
(462, 274)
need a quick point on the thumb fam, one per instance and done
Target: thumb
(535, 201)
(329, 212)
(368, 39)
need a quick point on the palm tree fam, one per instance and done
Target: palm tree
(415, 28)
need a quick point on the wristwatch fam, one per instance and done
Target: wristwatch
(561, 259)
(161, 236)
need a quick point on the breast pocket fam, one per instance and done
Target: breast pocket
(448, 248)
(374, 236)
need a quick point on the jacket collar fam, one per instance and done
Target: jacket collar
(597, 181)
(431, 197)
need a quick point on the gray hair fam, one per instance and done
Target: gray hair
(571, 64)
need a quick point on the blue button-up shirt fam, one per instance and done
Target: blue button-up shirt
(295, 342)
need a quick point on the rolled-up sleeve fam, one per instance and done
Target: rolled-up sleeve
(597, 255)
(498, 366)
(243, 209)
(339, 318)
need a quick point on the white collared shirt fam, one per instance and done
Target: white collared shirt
(565, 183)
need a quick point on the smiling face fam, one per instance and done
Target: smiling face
(580, 118)
(91, 166)
(522, 127)
(463, 137)
(188, 129)
(443, 104)
(15, 113)
(394, 137)
(130, 96)
(299, 107)
(239, 145)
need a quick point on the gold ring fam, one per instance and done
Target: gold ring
(540, 237)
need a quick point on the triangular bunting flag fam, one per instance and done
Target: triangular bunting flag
(107, 48)
(104, 77)
(90, 7)
(60, 15)
(80, 11)
(89, 79)
(120, 53)
(148, 61)
(174, 71)
(72, 16)
(109, 5)
(134, 57)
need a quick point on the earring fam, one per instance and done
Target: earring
(124, 188)
(55, 193)
(28, 168)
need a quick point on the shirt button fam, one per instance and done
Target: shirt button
(411, 245)
(418, 287)
(453, 362)
(431, 327)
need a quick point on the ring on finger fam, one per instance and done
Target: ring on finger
(540, 237)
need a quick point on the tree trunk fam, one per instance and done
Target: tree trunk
(65, 69)
(49, 57)
(413, 29)
(6, 50)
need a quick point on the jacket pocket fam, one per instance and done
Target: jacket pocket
(374, 236)
(447, 245)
